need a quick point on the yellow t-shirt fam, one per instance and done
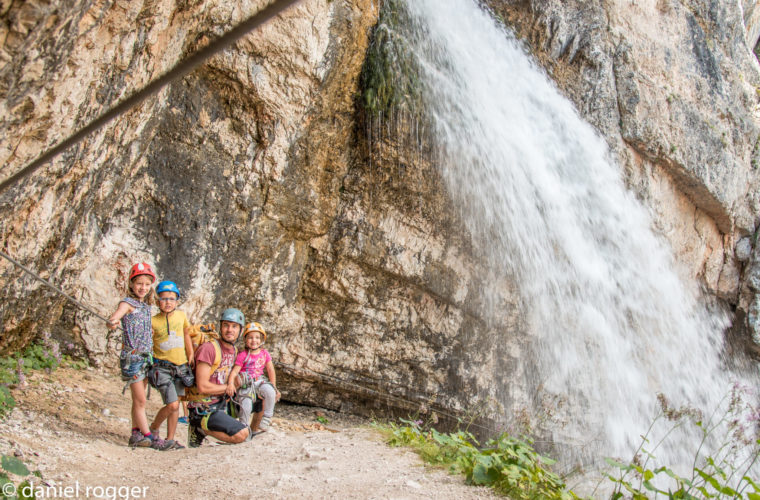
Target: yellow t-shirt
(169, 343)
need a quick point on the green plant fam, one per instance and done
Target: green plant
(508, 464)
(390, 76)
(322, 420)
(724, 473)
(13, 369)
(8, 489)
(77, 364)
(7, 402)
(43, 355)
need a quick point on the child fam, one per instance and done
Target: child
(252, 362)
(137, 344)
(172, 349)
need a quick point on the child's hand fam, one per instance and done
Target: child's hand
(112, 325)
(230, 389)
(277, 398)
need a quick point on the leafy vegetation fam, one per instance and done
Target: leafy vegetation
(43, 355)
(8, 489)
(513, 468)
(724, 473)
(390, 77)
(508, 464)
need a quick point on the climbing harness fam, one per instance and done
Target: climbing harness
(181, 69)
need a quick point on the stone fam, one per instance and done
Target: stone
(253, 181)
(743, 249)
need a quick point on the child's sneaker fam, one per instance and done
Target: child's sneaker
(161, 444)
(139, 440)
(265, 423)
(182, 420)
(174, 445)
(195, 436)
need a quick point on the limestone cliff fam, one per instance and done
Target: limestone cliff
(257, 181)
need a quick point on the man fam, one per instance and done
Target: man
(206, 401)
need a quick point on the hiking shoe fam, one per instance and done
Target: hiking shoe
(139, 440)
(182, 420)
(161, 444)
(195, 436)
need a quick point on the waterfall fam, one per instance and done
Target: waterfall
(612, 322)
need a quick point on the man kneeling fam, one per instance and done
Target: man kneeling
(206, 402)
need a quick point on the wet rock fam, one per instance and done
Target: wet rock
(252, 181)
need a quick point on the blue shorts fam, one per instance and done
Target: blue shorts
(134, 367)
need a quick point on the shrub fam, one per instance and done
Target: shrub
(508, 464)
(725, 472)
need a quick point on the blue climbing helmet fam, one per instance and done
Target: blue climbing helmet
(235, 316)
(168, 286)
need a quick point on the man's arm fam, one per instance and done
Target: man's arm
(203, 380)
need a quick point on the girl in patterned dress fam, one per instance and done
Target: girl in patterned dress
(137, 345)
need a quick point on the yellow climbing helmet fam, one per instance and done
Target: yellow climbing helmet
(255, 327)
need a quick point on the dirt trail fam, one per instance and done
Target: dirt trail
(72, 426)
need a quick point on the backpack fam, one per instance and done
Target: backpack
(204, 333)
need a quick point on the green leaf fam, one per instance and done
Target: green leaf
(14, 465)
(753, 496)
(25, 487)
(480, 475)
(615, 463)
(752, 483)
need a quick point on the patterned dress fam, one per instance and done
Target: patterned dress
(137, 337)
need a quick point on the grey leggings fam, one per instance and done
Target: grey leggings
(266, 392)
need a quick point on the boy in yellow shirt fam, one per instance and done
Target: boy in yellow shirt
(172, 348)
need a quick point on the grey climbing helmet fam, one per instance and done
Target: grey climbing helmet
(235, 316)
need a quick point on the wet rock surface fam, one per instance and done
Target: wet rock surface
(256, 181)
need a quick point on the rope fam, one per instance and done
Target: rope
(52, 286)
(178, 71)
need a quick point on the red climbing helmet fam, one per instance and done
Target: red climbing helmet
(139, 269)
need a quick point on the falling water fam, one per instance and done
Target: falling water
(613, 322)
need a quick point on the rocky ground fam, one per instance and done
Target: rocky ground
(72, 426)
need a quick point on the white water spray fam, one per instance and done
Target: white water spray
(612, 321)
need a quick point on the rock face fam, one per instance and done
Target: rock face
(258, 182)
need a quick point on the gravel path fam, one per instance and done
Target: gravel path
(72, 427)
